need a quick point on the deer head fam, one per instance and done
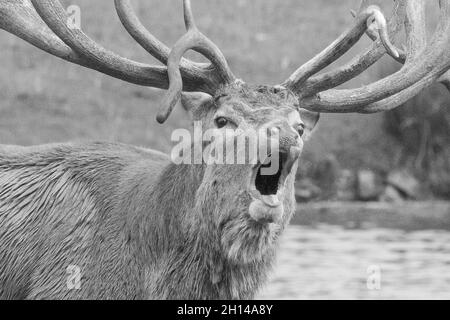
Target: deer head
(262, 204)
(248, 193)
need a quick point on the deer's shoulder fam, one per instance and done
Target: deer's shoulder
(74, 154)
(94, 165)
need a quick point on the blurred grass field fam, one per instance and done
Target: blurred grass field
(44, 99)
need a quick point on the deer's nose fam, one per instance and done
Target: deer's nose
(284, 141)
(287, 137)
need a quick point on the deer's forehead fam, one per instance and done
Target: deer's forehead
(257, 111)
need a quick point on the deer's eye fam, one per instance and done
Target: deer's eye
(221, 122)
(301, 129)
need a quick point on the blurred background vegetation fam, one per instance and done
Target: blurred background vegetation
(44, 99)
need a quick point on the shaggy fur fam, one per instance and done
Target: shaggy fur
(129, 219)
(137, 225)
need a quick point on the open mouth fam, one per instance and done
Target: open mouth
(267, 180)
(269, 177)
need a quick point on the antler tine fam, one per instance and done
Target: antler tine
(416, 34)
(192, 40)
(54, 15)
(358, 64)
(422, 68)
(374, 35)
(401, 97)
(416, 30)
(340, 46)
(189, 20)
(139, 33)
(205, 46)
(383, 32)
(149, 42)
(19, 17)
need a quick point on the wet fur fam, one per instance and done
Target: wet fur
(138, 226)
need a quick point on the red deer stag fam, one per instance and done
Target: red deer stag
(137, 225)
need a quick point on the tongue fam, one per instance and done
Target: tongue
(270, 200)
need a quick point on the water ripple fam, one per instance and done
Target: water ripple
(331, 262)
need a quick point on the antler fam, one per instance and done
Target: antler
(424, 63)
(341, 45)
(43, 23)
(192, 40)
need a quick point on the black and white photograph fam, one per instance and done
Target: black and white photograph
(244, 150)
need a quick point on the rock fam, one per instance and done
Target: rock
(392, 195)
(346, 186)
(326, 174)
(368, 186)
(306, 190)
(405, 182)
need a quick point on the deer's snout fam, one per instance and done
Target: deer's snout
(284, 137)
(269, 176)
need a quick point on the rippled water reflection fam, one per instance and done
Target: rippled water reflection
(330, 262)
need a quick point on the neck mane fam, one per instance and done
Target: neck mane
(183, 257)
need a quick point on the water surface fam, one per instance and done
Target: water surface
(331, 262)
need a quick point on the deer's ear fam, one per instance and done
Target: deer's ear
(310, 120)
(192, 101)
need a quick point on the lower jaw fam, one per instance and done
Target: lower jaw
(268, 208)
(267, 204)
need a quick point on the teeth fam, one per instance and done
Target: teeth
(270, 200)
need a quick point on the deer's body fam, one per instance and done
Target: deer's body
(134, 224)
(119, 213)
(63, 205)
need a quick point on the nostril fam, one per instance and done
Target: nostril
(301, 131)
